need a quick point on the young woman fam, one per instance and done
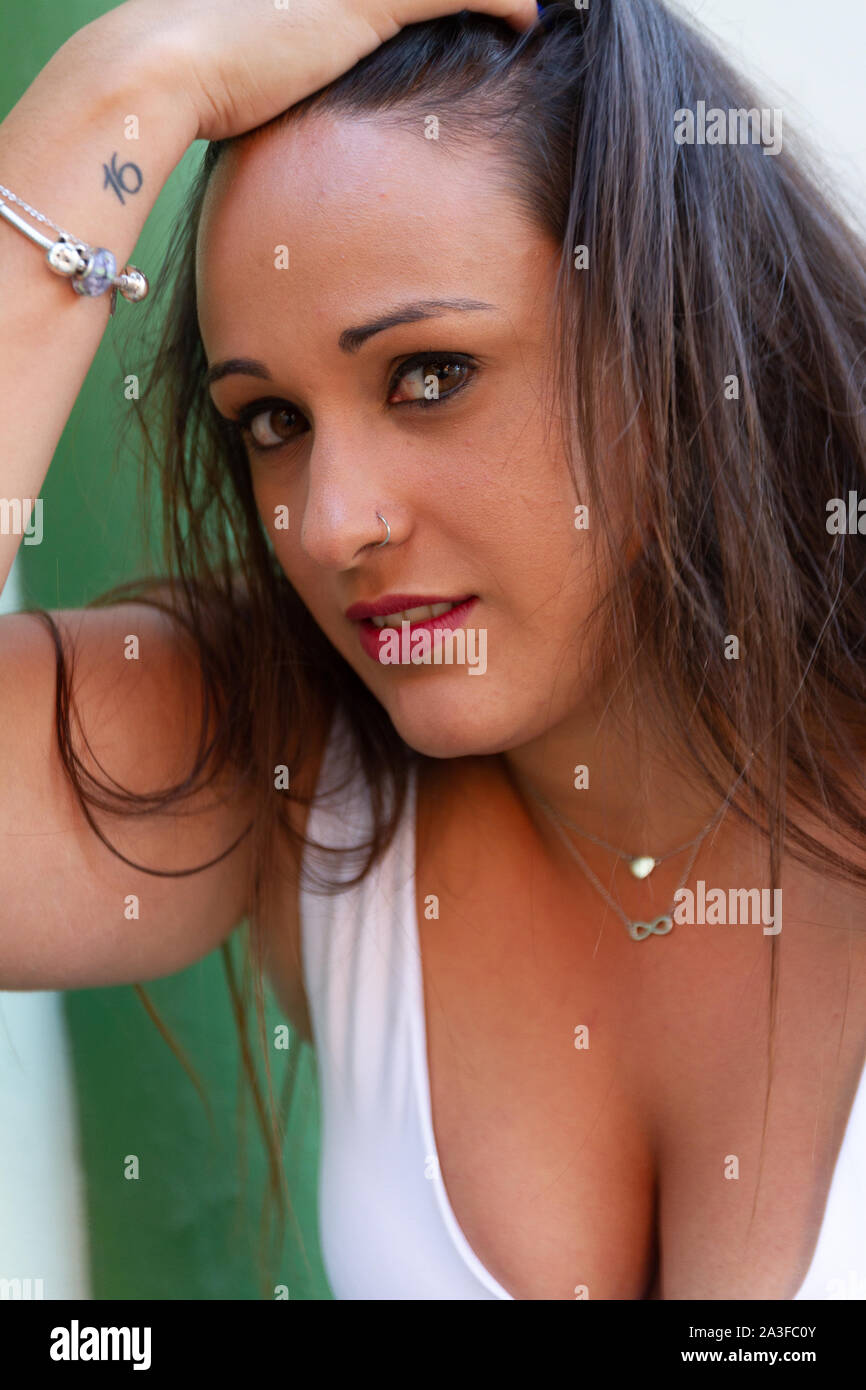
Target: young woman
(510, 424)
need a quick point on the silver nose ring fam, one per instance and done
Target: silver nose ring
(388, 528)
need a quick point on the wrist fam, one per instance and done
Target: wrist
(92, 141)
(112, 61)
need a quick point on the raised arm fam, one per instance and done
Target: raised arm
(169, 71)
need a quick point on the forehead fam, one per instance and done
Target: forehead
(367, 214)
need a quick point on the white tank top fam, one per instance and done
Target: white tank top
(386, 1226)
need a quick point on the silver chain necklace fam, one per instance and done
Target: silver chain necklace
(637, 930)
(639, 865)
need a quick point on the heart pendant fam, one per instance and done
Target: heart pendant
(642, 866)
(639, 931)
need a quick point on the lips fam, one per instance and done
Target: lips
(399, 605)
(455, 614)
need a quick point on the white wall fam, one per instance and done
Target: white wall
(809, 60)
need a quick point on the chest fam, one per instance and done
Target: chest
(599, 1104)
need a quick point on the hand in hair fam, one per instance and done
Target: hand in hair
(242, 62)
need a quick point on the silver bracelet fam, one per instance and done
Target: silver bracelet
(91, 270)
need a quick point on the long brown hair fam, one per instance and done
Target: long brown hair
(704, 265)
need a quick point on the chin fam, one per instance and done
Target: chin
(446, 718)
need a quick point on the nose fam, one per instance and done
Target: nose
(346, 501)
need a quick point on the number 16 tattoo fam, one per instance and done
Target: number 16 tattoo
(117, 178)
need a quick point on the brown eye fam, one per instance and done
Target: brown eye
(426, 381)
(272, 426)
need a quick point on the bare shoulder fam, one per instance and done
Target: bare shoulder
(178, 868)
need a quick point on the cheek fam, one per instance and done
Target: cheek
(275, 509)
(281, 508)
(519, 513)
(506, 484)
(280, 512)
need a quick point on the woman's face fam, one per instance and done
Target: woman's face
(335, 225)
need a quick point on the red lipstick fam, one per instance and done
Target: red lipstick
(370, 635)
(398, 603)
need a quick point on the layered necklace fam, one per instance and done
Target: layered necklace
(640, 865)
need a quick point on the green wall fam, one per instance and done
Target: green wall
(188, 1227)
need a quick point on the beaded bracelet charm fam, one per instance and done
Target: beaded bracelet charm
(90, 270)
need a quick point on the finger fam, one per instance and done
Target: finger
(520, 14)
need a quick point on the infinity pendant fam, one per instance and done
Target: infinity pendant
(639, 931)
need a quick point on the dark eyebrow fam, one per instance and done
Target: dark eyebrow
(351, 339)
(243, 366)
